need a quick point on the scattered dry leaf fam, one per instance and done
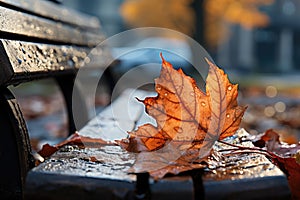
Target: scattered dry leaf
(270, 140)
(75, 139)
(47, 150)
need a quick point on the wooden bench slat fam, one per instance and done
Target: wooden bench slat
(49, 186)
(35, 60)
(269, 187)
(52, 11)
(117, 118)
(35, 28)
(256, 177)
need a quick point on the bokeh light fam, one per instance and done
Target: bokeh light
(271, 91)
(269, 111)
(280, 107)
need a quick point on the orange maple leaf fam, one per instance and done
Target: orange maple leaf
(187, 118)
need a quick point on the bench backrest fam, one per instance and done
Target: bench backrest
(40, 39)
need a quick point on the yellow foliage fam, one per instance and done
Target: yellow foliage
(218, 13)
(173, 14)
(179, 15)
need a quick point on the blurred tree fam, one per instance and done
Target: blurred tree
(176, 15)
(218, 13)
(189, 16)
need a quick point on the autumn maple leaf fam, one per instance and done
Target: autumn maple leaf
(189, 120)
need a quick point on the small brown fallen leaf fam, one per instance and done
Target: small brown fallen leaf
(187, 118)
(270, 140)
(75, 139)
(47, 150)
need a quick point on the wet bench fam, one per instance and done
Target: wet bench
(40, 39)
(100, 172)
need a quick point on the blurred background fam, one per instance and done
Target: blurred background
(257, 43)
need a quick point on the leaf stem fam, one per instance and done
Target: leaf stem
(265, 152)
(239, 151)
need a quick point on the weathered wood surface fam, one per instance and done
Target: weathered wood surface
(24, 61)
(52, 11)
(242, 177)
(40, 39)
(15, 24)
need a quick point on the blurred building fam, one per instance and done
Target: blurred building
(275, 48)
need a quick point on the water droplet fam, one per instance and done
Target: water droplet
(192, 94)
(227, 115)
(203, 103)
(230, 88)
(83, 54)
(75, 59)
(166, 94)
(178, 129)
(19, 61)
(23, 50)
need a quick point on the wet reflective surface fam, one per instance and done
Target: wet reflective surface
(44, 58)
(241, 165)
(112, 162)
(37, 57)
(108, 162)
